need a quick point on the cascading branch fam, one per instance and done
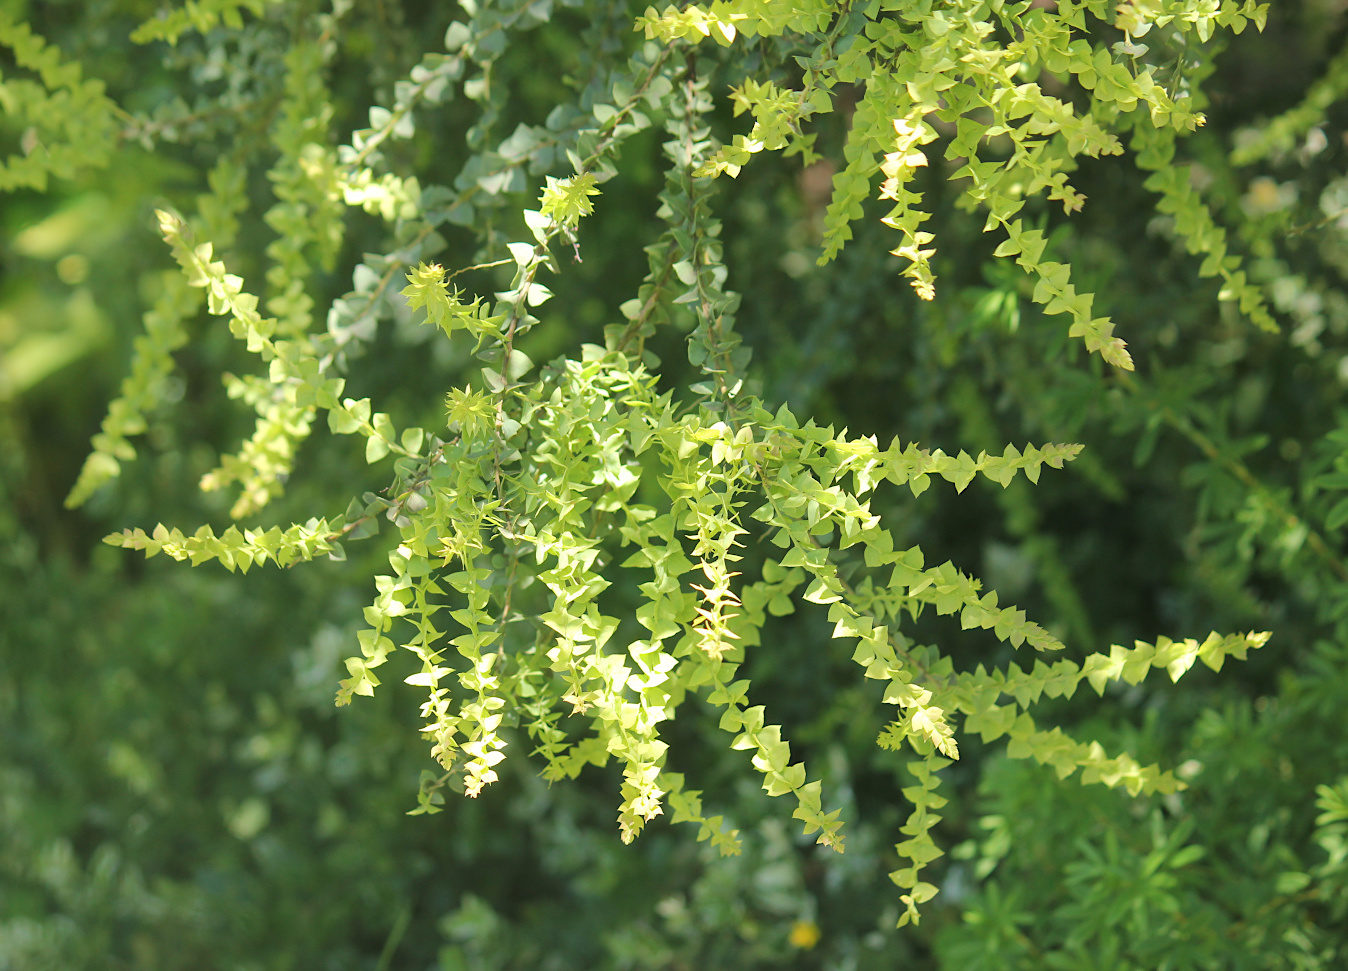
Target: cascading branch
(65, 123)
(930, 66)
(550, 484)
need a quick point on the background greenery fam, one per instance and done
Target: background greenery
(177, 790)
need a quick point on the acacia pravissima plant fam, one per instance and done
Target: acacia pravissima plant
(554, 480)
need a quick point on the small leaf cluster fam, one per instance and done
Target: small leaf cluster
(944, 62)
(67, 122)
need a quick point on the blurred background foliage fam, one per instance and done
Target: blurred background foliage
(177, 790)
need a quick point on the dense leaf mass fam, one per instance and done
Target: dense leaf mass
(568, 362)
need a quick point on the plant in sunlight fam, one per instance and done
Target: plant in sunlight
(584, 549)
